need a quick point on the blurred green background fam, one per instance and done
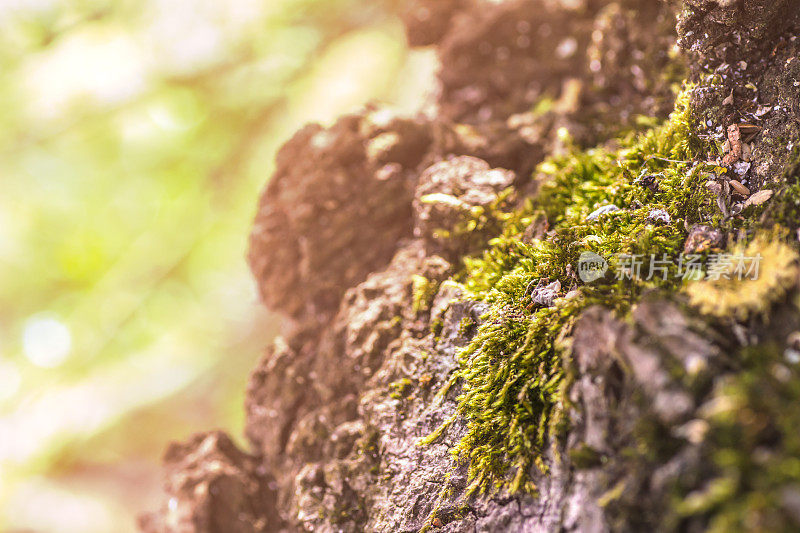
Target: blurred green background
(135, 137)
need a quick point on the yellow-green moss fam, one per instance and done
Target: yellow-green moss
(741, 296)
(423, 291)
(400, 388)
(512, 372)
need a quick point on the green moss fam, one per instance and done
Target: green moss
(482, 221)
(584, 456)
(465, 325)
(752, 447)
(471, 224)
(423, 292)
(436, 327)
(401, 388)
(743, 298)
(784, 208)
(512, 372)
(544, 106)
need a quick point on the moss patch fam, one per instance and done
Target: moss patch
(423, 291)
(750, 280)
(753, 447)
(512, 372)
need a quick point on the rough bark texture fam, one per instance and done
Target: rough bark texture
(362, 225)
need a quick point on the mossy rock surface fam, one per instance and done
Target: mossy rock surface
(450, 361)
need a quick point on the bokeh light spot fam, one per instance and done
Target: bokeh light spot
(46, 341)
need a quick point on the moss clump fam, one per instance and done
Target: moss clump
(465, 325)
(423, 291)
(474, 224)
(401, 388)
(752, 448)
(512, 374)
(748, 280)
(784, 207)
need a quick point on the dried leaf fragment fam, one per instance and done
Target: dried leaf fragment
(759, 198)
(739, 188)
